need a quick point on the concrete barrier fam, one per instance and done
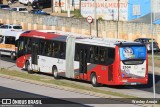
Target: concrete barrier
(126, 30)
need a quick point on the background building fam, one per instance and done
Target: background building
(122, 10)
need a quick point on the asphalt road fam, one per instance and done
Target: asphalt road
(144, 91)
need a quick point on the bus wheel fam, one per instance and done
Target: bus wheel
(27, 67)
(55, 73)
(94, 80)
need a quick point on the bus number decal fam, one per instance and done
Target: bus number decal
(126, 67)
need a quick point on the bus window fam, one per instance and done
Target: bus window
(49, 51)
(110, 57)
(41, 47)
(28, 45)
(62, 50)
(9, 40)
(91, 54)
(102, 55)
(58, 50)
(21, 46)
(46, 48)
(96, 54)
(77, 52)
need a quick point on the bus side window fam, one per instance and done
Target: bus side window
(58, 49)
(21, 46)
(110, 56)
(102, 55)
(55, 50)
(50, 46)
(46, 48)
(96, 54)
(42, 47)
(62, 50)
(28, 45)
(53, 47)
(91, 54)
(77, 52)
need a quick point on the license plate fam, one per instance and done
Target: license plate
(133, 83)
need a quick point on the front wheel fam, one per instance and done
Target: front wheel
(27, 67)
(94, 80)
(55, 73)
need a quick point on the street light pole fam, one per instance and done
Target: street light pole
(153, 75)
(118, 10)
(68, 8)
(117, 20)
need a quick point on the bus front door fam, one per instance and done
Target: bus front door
(83, 64)
(35, 55)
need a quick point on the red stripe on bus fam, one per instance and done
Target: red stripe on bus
(43, 35)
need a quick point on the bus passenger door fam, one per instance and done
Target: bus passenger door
(83, 63)
(34, 55)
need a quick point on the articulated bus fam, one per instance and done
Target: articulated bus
(100, 61)
(7, 43)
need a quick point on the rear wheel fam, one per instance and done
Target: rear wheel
(94, 80)
(55, 73)
(27, 67)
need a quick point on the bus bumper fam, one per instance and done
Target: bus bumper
(132, 81)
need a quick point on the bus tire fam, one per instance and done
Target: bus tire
(94, 80)
(55, 72)
(27, 67)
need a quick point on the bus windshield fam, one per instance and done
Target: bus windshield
(132, 52)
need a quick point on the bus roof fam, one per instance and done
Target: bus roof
(59, 36)
(44, 35)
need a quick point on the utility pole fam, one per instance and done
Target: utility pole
(153, 70)
(95, 18)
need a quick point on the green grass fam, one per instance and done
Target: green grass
(60, 83)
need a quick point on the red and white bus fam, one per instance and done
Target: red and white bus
(101, 61)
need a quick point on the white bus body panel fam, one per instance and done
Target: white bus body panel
(45, 64)
(134, 70)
